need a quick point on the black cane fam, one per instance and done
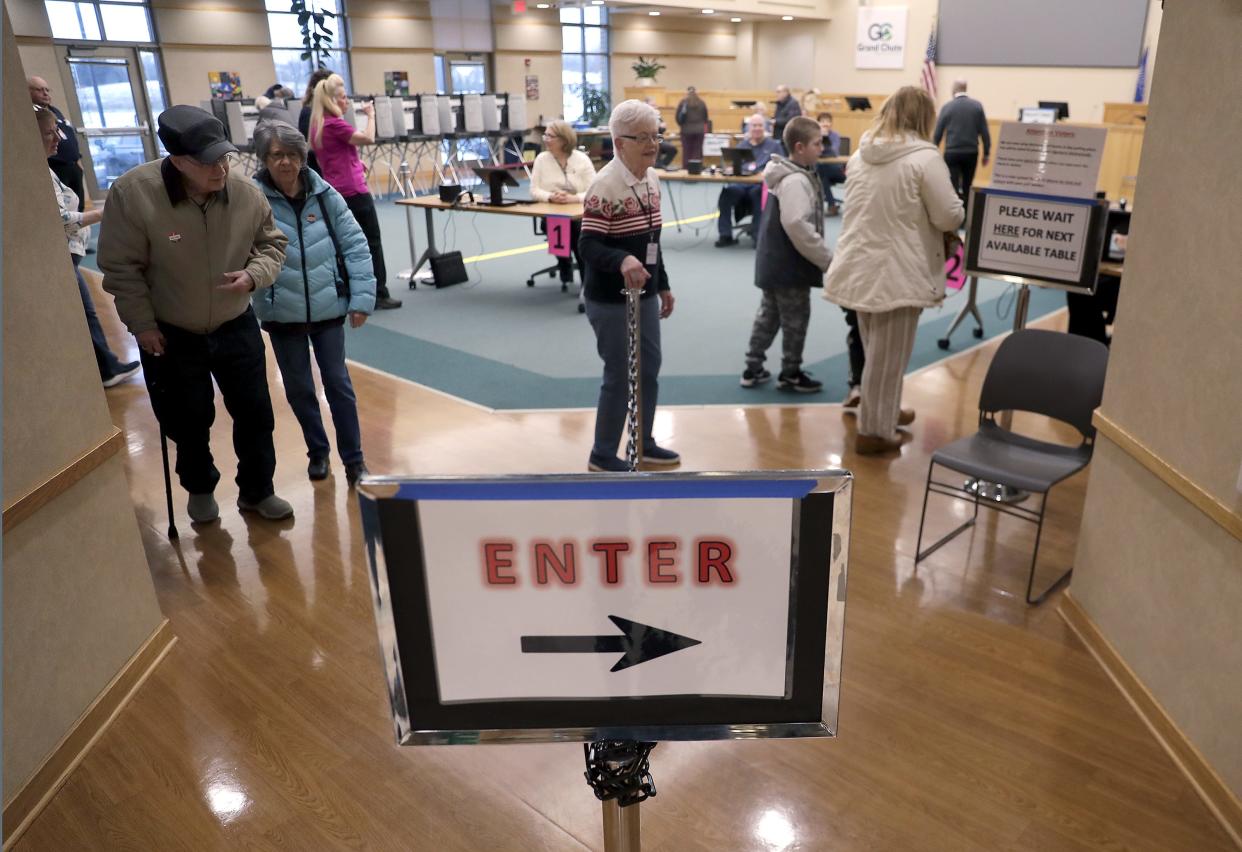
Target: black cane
(172, 524)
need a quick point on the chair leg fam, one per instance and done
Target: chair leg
(920, 555)
(1030, 581)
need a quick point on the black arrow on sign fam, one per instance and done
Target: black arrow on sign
(639, 643)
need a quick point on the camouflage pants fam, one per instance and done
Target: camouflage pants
(785, 309)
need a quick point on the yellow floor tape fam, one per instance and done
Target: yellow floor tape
(494, 255)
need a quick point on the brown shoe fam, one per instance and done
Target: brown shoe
(870, 445)
(905, 417)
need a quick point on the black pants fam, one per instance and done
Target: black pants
(830, 173)
(1088, 315)
(858, 356)
(961, 170)
(668, 151)
(363, 208)
(566, 264)
(70, 175)
(179, 382)
(737, 201)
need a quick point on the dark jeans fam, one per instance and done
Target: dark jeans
(739, 200)
(182, 397)
(363, 208)
(109, 364)
(667, 152)
(566, 264)
(70, 175)
(612, 342)
(858, 356)
(1089, 315)
(293, 357)
(691, 148)
(829, 173)
(961, 170)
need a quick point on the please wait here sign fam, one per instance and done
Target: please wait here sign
(1030, 237)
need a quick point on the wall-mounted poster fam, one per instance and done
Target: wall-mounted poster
(881, 41)
(532, 87)
(397, 84)
(225, 85)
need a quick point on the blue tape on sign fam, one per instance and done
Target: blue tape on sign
(645, 490)
(1063, 199)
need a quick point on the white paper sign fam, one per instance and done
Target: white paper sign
(517, 595)
(881, 40)
(1049, 159)
(1023, 236)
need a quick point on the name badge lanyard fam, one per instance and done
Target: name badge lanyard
(653, 247)
(634, 401)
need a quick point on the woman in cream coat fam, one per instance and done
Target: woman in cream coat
(890, 257)
(561, 175)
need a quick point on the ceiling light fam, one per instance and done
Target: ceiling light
(542, 6)
(654, 14)
(736, 20)
(786, 17)
(709, 11)
(597, 2)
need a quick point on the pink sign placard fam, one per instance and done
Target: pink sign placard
(558, 236)
(954, 270)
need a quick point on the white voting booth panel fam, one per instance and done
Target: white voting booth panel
(633, 606)
(515, 112)
(429, 113)
(384, 128)
(447, 113)
(472, 109)
(491, 114)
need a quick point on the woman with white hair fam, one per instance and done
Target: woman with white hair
(621, 250)
(326, 277)
(335, 142)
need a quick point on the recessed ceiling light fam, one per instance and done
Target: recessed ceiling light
(736, 20)
(542, 6)
(709, 11)
(597, 2)
(654, 14)
(786, 17)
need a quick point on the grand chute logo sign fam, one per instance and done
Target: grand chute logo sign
(881, 38)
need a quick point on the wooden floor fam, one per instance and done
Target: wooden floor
(969, 721)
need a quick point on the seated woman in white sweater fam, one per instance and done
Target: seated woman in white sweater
(561, 175)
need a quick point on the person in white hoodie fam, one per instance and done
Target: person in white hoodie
(889, 261)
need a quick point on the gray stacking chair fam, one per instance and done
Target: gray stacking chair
(1044, 372)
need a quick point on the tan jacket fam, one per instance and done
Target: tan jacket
(163, 258)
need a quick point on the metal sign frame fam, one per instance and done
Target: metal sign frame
(1093, 250)
(818, 570)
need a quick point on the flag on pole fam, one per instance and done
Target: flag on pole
(929, 63)
(1141, 87)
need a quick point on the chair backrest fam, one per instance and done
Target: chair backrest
(1050, 373)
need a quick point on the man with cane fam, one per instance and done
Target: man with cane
(183, 245)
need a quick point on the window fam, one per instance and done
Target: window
(291, 69)
(127, 21)
(584, 58)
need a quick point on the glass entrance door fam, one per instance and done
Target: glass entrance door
(113, 97)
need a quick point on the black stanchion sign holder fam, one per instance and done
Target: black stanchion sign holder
(628, 607)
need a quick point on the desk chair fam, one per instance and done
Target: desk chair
(1045, 372)
(540, 227)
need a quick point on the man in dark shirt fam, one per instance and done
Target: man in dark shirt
(786, 108)
(962, 124)
(66, 162)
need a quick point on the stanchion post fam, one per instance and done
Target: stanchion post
(634, 406)
(622, 827)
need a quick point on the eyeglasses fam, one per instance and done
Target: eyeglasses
(278, 156)
(643, 138)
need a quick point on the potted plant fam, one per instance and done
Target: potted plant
(646, 70)
(594, 105)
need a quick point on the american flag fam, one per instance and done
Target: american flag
(929, 63)
(1141, 86)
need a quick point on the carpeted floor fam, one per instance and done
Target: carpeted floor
(504, 345)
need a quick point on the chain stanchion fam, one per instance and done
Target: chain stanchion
(634, 449)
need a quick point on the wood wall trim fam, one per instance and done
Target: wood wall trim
(1169, 475)
(220, 48)
(44, 41)
(1220, 800)
(29, 802)
(60, 482)
(401, 50)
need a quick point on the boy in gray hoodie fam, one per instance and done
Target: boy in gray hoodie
(791, 258)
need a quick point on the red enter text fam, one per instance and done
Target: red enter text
(655, 561)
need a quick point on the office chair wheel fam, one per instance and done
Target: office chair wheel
(530, 282)
(564, 286)
(581, 308)
(978, 333)
(943, 343)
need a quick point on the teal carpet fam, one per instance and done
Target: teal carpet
(496, 342)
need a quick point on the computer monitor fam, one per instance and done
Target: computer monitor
(496, 178)
(743, 104)
(736, 158)
(1061, 107)
(843, 145)
(1037, 115)
(858, 103)
(1115, 232)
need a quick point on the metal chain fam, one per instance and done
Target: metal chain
(619, 769)
(633, 448)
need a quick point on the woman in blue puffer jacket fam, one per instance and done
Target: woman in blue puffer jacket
(327, 275)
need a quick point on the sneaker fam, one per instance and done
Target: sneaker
(724, 241)
(355, 471)
(317, 469)
(127, 370)
(270, 507)
(834, 210)
(750, 378)
(870, 445)
(202, 508)
(905, 417)
(660, 456)
(800, 382)
(853, 398)
(387, 303)
(607, 464)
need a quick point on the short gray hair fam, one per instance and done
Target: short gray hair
(629, 115)
(278, 131)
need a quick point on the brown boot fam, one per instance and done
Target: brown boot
(869, 445)
(905, 417)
